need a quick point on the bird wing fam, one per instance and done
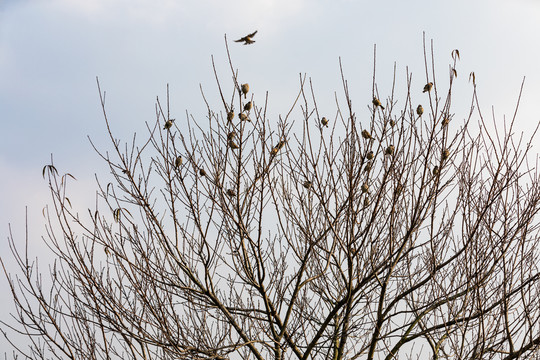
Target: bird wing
(252, 34)
(242, 39)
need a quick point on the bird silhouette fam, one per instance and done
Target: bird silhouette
(247, 39)
(427, 87)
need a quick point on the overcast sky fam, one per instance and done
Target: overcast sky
(52, 50)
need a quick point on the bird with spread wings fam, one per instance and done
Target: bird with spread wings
(247, 39)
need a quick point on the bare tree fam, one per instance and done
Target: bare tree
(243, 237)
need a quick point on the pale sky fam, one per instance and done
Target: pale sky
(52, 50)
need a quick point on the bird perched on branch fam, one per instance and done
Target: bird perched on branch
(243, 117)
(248, 106)
(445, 122)
(168, 124)
(245, 89)
(389, 150)
(377, 102)
(427, 87)
(324, 122)
(231, 192)
(247, 39)
(366, 134)
(445, 154)
(420, 110)
(178, 162)
(230, 116)
(307, 184)
(233, 145)
(370, 155)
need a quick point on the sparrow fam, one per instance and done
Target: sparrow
(365, 188)
(435, 171)
(420, 110)
(445, 154)
(245, 89)
(231, 135)
(324, 121)
(178, 162)
(168, 124)
(370, 155)
(427, 87)
(231, 192)
(389, 150)
(233, 145)
(248, 106)
(274, 151)
(368, 166)
(445, 122)
(366, 134)
(230, 116)
(281, 144)
(202, 172)
(377, 102)
(366, 202)
(392, 123)
(243, 117)
(247, 39)
(307, 184)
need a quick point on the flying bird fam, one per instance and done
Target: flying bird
(247, 39)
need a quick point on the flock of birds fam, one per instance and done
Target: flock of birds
(244, 89)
